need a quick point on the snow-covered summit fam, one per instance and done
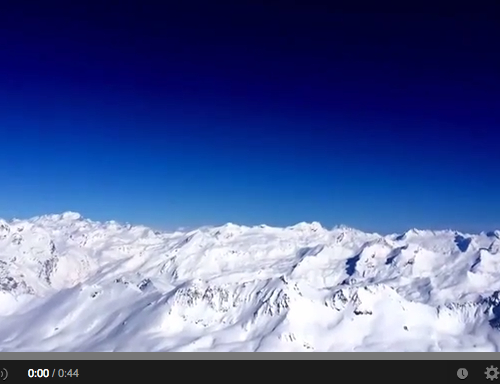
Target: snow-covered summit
(303, 226)
(91, 286)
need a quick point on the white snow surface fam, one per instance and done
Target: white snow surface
(71, 284)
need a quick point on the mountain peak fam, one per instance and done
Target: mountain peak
(70, 215)
(227, 287)
(305, 226)
(64, 216)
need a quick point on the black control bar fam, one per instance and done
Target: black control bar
(259, 371)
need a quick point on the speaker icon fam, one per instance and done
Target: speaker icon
(4, 374)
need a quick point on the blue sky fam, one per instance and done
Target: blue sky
(170, 117)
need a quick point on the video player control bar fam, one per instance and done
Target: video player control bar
(138, 371)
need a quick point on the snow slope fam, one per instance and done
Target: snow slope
(71, 284)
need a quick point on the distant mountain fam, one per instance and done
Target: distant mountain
(71, 284)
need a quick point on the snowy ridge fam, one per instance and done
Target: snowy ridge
(72, 284)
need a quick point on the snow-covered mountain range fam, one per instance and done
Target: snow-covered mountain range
(72, 284)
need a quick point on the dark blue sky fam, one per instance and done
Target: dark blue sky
(251, 114)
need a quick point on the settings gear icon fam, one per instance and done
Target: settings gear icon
(491, 373)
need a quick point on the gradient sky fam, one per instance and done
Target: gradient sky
(250, 114)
